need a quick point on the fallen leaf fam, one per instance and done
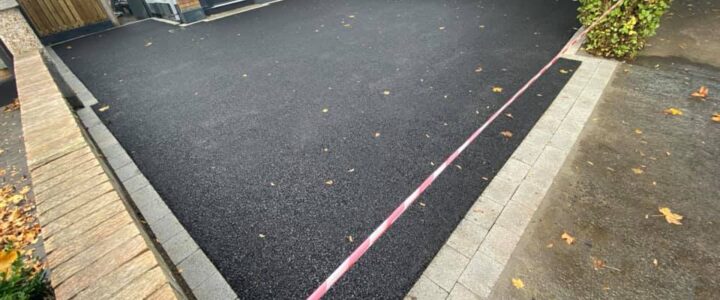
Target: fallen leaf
(497, 89)
(563, 71)
(24, 190)
(716, 117)
(7, 259)
(638, 131)
(15, 199)
(441, 27)
(509, 115)
(518, 283)
(262, 236)
(324, 110)
(329, 182)
(377, 134)
(478, 69)
(598, 263)
(506, 134)
(655, 262)
(350, 238)
(351, 170)
(549, 245)
(386, 92)
(673, 111)
(637, 171)
(702, 92)
(68, 47)
(670, 216)
(422, 204)
(569, 239)
(351, 16)
(148, 44)
(104, 108)
(459, 167)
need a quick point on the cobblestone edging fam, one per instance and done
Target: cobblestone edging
(94, 247)
(198, 272)
(471, 261)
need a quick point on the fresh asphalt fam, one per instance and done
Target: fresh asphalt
(227, 121)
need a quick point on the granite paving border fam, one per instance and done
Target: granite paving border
(471, 261)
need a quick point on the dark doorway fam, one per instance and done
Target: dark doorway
(8, 91)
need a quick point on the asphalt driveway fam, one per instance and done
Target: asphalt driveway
(276, 134)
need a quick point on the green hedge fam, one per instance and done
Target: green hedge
(626, 28)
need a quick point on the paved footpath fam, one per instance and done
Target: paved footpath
(624, 248)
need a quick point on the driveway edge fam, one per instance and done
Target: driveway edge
(200, 275)
(471, 261)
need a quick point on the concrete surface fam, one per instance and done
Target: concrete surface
(612, 211)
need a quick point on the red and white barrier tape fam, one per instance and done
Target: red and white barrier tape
(380, 230)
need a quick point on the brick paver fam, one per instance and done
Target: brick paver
(95, 248)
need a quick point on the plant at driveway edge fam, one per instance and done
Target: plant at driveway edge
(624, 31)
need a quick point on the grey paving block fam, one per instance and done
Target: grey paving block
(214, 288)
(566, 136)
(530, 195)
(531, 147)
(180, 246)
(425, 289)
(446, 267)
(88, 117)
(135, 183)
(154, 209)
(144, 196)
(127, 171)
(499, 243)
(112, 151)
(467, 237)
(119, 161)
(499, 190)
(165, 228)
(513, 170)
(484, 212)
(460, 292)
(515, 217)
(196, 269)
(481, 274)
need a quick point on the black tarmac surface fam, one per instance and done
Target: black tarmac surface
(240, 124)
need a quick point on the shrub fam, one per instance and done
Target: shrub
(624, 31)
(22, 282)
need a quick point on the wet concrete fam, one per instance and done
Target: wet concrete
(612, 211)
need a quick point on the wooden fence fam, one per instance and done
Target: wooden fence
(53, 16)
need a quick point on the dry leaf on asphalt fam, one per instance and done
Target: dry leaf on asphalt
(670, 216)
(377, 134)
(518, 283)
(638, 131)
(148, 44)
(509, 115)
(104, 108)
(506, 134)
(598, 263)
(563, 71)
(325, 110)
(637, 171)
(329, 182)
(716, 117)
(350, 238)
(478, 69)
(702, 93)
(497, 89)
(673, 111)
(569, 239)
(386, 92)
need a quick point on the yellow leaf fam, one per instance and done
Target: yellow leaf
(104, 108)
(598, 263)
(506, 134)
(6, 260)
(518, 283)
(25, 190)
(569, 239)
(637, 171)
(638, 131)
(329, 182)
(716, 117)
(673, 111)
(15, 199)
(377, 134)
(563, 71)
(670, 216)
(386, 92)
(325, 110)
(497, 89)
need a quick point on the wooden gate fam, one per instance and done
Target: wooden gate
(53, 16)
